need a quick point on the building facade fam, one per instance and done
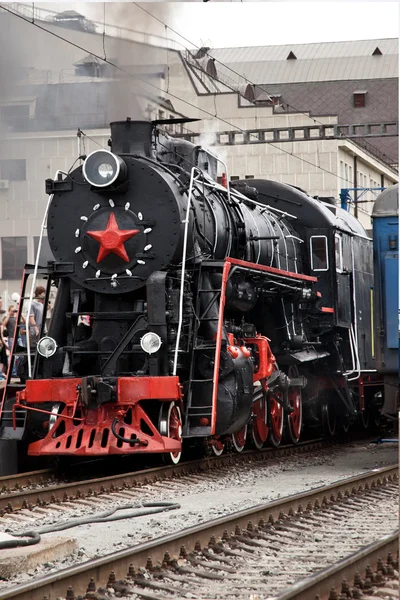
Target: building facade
(61, 107)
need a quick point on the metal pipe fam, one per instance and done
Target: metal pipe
(355, 185)
(184, 252)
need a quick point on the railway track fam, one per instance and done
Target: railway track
(378, 561)
(242, 553)
(41, 492)
(16, 482)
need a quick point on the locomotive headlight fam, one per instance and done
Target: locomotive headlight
(150, 342)
(105, 171)
(102, 168)
(46, 347)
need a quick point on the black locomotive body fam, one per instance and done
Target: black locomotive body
(187, 310)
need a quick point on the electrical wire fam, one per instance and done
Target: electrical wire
(104, 30)
(93, 140)
(109, 62)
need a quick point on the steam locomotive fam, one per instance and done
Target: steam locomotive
(190, 311)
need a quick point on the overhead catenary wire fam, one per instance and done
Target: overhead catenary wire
(118, 67)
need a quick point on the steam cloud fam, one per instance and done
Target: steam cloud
(24, 47)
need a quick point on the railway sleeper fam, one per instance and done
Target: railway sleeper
(211, 565)
(143, 582)
(202, 574)
(215, 557)
(167, 574)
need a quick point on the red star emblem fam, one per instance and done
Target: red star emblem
(112, 239)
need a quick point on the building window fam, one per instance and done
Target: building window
(276, 99)
(249, 176)
(45, 252)
(13, 257)
(319, 252)
(359, 99)
(11, 111)
(13, 169)
(234, 177)
(161, 115)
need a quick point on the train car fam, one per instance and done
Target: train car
(385, 218)
(187, 311)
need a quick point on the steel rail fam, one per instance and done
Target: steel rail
(332, 577)
(65, 491)
(99, 569)
(9, 482)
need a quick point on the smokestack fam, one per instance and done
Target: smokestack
(131, 137)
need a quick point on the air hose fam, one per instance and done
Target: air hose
(147, 508)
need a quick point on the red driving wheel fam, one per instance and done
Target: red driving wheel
(259, 425)
(276, 417)
(295, 418)
(239, 439)
(170, 425)
(217, 446)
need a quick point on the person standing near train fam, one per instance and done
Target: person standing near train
(36, 314)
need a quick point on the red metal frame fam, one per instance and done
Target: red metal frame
(218, 343)
(24, 278)
(267, 359)
(83, 431)
(250, 265)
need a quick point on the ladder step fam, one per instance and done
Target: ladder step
(15, 386)
(197, 431)
(205, 291)
(200, 408)
(208, 319)
(205, 347)
(202, 380)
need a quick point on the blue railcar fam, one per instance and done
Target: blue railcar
(385, 218)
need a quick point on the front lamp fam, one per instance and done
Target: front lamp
(46, 347)
(103, 168)
(150, 343)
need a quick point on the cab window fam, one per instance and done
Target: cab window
(338, 253)
(319, 253)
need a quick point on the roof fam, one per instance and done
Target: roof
(309, 212)
(69, 14)
(314, 62)
(387, 203)
(307, 51)
(90, 59)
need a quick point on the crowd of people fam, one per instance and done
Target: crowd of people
(9, 325)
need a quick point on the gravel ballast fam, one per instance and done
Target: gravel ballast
(201, 499)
